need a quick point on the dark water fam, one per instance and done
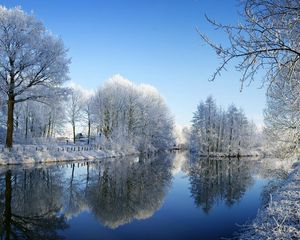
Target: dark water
(169, 196)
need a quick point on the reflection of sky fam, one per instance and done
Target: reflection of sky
(178, 218)
(164, 197)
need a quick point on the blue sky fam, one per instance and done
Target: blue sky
(149, 41)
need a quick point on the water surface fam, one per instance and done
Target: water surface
(166, 196)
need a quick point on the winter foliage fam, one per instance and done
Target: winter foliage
(267, 42)
(132, 115)
(282, 116)
(120, 115)
(33, 63)
(35, 104)
(217, 131)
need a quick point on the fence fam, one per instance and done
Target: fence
(68, 148)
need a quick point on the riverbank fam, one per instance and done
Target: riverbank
(31, 154)
(280, 219)
(233, 154)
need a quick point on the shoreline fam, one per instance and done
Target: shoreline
(39, 154)
(34, 155)
(279, 218)
(231, 155)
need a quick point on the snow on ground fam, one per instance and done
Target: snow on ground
(280, 219)
(234, 153)
(31, 154)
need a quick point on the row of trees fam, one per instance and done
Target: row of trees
(120, 112)
(34, 102)
(215, 130)
(132, 114)
(35, 120)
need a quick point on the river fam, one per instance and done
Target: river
(164, 196)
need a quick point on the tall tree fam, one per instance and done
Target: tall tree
(33, 62)
(88, 115)
(75, 110)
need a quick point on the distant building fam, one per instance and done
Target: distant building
(80, 137)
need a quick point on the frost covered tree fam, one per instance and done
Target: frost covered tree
(33, 62)
(282, 115)
(133, 115)
(204, 125)
(217, 131)
(74, 110)
(267, 41)
(88, 115)
(35, 120)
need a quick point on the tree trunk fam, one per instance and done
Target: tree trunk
(52, 128)
(10, 121)
(89, 131)
(26, 126)
(49, 127)
(231, 136)
(73, 125)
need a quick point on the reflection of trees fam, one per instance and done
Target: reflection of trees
(30, 202)
(117, 191)
(214, 180)
(123, 190)
(74, 191)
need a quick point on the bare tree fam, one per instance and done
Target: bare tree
(33, 63)
(88, 115)
(267, 39)
(75, 110)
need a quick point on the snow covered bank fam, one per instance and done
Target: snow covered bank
(280, 219)
(42, 154)
(241, 153)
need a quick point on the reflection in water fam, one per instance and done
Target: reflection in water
(122, 191)
(29, 205)
(214, 180)
(38, 203)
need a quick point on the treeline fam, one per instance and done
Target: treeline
(135, 115)
(119, 113)
(35, 120)
(35, 103)
(215, 130)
